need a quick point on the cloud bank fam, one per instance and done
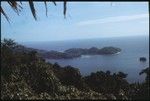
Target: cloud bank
(113, 19)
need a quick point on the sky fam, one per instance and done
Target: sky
(84, 20)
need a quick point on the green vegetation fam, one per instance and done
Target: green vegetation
(25, 75)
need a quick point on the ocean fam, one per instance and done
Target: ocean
(127, 60)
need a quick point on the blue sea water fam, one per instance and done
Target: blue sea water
(126, 61)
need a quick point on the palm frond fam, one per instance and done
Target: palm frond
(13, 5)
(54, 3)
(20, 5)
(5, 15)
(17, 8)
(65, 8)
(32, 9)
(46, 7)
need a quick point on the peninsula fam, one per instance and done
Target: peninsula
(69, 53)
(78, 52)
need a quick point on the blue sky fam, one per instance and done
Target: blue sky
(84, 20)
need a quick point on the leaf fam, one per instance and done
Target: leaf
(65, 8)
(45, 6)
(2, 11)
(32, 9)
(54, 3)
(20, 2)
(13, 5)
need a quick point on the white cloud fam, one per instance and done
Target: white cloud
(113, 19)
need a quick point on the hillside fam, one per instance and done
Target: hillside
(28, 76)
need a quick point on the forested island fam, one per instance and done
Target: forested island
(26, 75)
(78, 52)
(70, 53)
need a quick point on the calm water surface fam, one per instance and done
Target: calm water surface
(127, 61)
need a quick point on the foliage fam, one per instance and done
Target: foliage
(24, 75)
(17, 6)
(106, 83)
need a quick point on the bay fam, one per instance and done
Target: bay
(127, 60)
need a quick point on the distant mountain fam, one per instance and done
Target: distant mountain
(93, 51)
(109, 50)
(21, 48)
(69, 53)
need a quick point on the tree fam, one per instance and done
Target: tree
(6, 50)
(7, 56)
(33, 55)
(122, 75)
(108, 72)
(146, 71)
(9, 43)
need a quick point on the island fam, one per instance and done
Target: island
(143, 59)
(78, 52)
(69, 53)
